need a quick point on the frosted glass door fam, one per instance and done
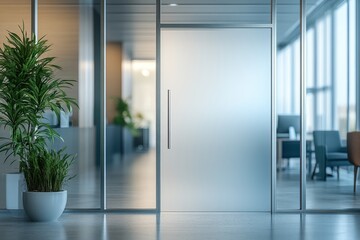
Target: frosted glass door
(215, 119)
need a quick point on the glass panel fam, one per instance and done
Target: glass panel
(330, 184)
(288, 102)
(75, 43)
(13, 14)
(216, 123)
(131, 105)
(216, 11)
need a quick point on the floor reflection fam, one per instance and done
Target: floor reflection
(330, 194)
(174, 226)
(131, 183)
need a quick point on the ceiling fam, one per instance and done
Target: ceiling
(133, 22)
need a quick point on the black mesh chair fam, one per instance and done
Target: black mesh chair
(329, 152)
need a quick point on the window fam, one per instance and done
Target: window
(330, 72)
(341, 64)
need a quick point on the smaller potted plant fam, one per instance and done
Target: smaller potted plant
(124, 117)
(28, 88)
(126, 121)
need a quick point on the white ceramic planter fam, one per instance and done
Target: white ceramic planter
(44, 206)
(15, 186)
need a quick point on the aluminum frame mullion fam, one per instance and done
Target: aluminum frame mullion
(158, 108)
(302, 105)
(103, 105)
(273, 106)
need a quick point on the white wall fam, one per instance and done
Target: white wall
(144, 94)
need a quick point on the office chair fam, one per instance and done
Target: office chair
(329, 152)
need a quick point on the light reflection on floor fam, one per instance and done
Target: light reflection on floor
(190, 226)
(131, 183)
(329, 194)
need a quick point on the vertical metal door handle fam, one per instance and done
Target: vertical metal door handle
(169, 119)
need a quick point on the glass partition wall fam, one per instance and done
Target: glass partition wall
(329, 106)
(76, 48)
(68, 26)
(288, 106)
(131, 105)
(135, 170)
(331, 102)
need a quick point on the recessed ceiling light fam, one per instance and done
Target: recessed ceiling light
(172, 4)
(145, 72)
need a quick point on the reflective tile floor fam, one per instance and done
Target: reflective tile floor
(332, 194)
(183, 226)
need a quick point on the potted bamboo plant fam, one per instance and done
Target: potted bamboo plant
(28, 88)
